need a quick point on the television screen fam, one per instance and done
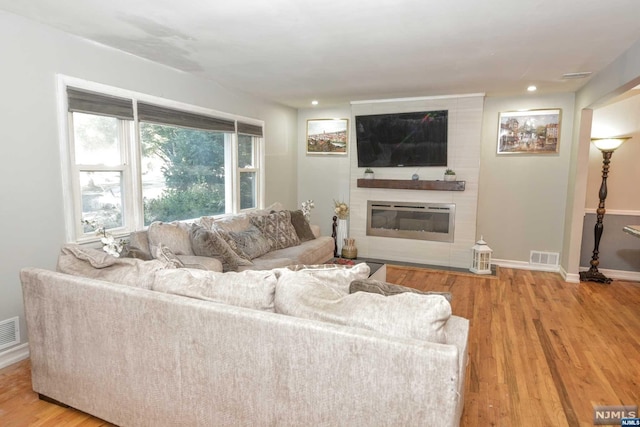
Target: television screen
(402, 139)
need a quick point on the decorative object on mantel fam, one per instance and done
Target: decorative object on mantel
(349, 249)
(410, 184)
(368, 173)
(109, 243)
(306, 209)
(342, 212)
(529, 132)
(449, 175)
(481, 257)
(415, 177)
(607, 146)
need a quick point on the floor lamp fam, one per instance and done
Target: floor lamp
(607, 146)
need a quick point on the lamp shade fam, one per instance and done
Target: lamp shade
(608, 144)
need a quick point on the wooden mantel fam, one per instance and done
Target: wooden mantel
(410, 184)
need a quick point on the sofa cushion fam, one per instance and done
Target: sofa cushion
(406, 315)
(278, 229)
(251, 242)
(174, 235)
(302, 227)
(384, 288)
(338, 277)
(210, 243)
(250, 289)
(94, 263)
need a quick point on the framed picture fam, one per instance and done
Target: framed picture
(327, 136)
(529, 132)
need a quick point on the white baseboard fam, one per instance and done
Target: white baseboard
(631, 276)
(523, 265)
(14, 355)
(569, 277)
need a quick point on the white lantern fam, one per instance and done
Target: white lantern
(481, 258)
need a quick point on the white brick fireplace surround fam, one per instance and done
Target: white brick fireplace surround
(464, 133)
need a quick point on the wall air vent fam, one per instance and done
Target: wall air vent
(9, 333)
(544, 258)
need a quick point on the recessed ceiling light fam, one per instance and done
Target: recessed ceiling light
(314, 102)
(532, 88)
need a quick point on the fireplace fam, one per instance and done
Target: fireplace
(421, 221)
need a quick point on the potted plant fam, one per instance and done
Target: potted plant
(449, 175)
(368, 173)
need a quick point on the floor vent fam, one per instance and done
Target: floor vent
(544, 258)
(9, 333)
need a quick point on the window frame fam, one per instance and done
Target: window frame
(131, 153)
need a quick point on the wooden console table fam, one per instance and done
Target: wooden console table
(410, 184)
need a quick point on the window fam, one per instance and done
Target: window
(132, 162)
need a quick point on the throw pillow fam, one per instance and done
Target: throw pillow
(278, 229)
(253, 289)
(174, 235)
(337, 277)
(164, 254)
(138, 246)
(95, 263)
(251, 242)
(211, 244)
(386, 289)
(300, 224)
(405, 315)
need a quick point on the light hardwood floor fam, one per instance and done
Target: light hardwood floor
(542, 352)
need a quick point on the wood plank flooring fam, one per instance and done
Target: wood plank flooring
(542, 352)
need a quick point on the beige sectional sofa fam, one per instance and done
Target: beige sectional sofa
(255, 240)
(142, 343)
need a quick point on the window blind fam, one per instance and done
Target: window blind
(247, 129)
(169, 116)
(83, 101)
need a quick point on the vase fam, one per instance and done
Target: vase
(349, 249)
(449, 177)
(341, 234)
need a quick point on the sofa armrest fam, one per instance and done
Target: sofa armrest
(315, 229)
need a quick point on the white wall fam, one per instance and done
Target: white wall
(618, 77)
(31, 212)
(323, 178)
(463, 156)
(522, 197)
(620, 118)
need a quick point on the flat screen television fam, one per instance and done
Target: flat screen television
(402, 139)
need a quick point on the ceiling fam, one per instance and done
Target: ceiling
(335, 51)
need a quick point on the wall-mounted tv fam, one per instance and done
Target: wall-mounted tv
(402, 139)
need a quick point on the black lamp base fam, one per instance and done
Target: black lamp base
(594, 276)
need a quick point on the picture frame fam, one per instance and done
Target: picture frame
(327, 137)
(529, 132)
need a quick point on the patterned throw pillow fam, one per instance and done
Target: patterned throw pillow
(278, 229)
(301, 226)
(251, 242)
(210, 243)
(166, 255)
